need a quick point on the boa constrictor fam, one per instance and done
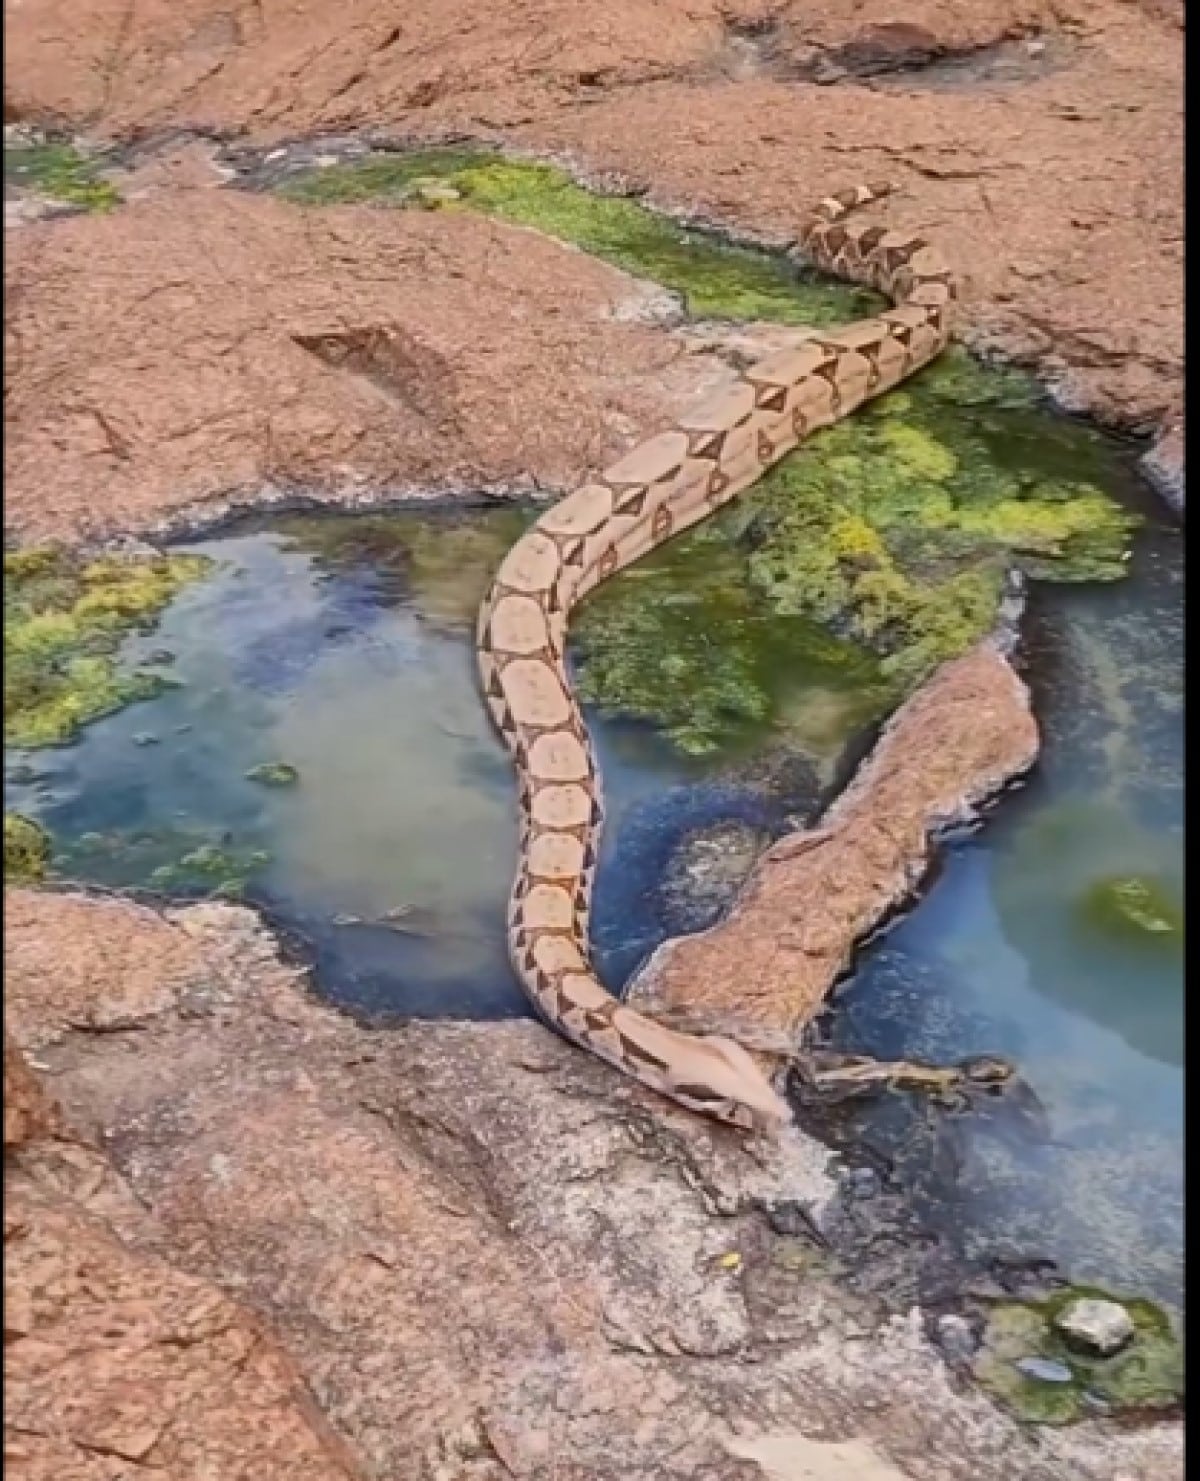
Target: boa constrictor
(663, 486)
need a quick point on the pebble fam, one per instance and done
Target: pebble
(1045, 1370)
(956, 1338)
(861, 1182)
(1096, 1326)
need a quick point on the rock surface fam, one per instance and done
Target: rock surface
(762, 973)
(487, 1255)
(28, 1110)
(1042, 143)
(204, 345)
(115, 1362)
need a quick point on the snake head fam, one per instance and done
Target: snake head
(718, 1078)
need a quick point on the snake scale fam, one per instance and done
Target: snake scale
(663, 486)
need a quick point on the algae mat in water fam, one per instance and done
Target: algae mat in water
(64, 621)
(26, 850)
(895, 527)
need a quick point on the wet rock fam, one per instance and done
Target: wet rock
(861, 1183)
(890, 46)
(1096, 1326)
(1163, 465)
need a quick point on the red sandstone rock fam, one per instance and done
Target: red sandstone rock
(194, 347)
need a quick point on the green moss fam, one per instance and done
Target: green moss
(899, 532)
(1141, 908)
(1147, 1375)
(274, 774)
(682, 641)
(26, 850)
(61, 172)
(715, 280)
(392, 178)
(64, 621)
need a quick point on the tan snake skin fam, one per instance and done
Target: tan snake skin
(660, 488)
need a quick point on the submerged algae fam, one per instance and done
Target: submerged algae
(898, 526)
(683, 642)
(175, 860)
(26, 850)
(64, 620)
(61, 172)
(1133, 906)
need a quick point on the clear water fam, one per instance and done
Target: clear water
(1007, 953)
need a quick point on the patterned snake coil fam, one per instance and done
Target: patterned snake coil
(663, 486)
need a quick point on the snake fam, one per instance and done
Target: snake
(664, 485)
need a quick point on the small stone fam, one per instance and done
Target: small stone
(1094, 1326)
(956, 1338)
(861, 1182)
(1044, 1370)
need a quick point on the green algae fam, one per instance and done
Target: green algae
(26, 850)
(61, 172)
(176, 861)
(273, 774)
(682, 641)
(1125, 906)
(898, 525)
(64, 621)
(715, 279)
(1053, 896)
(1146, 1376)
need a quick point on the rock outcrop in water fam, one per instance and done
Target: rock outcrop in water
(764, 972)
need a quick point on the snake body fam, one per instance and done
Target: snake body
(666, 484)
